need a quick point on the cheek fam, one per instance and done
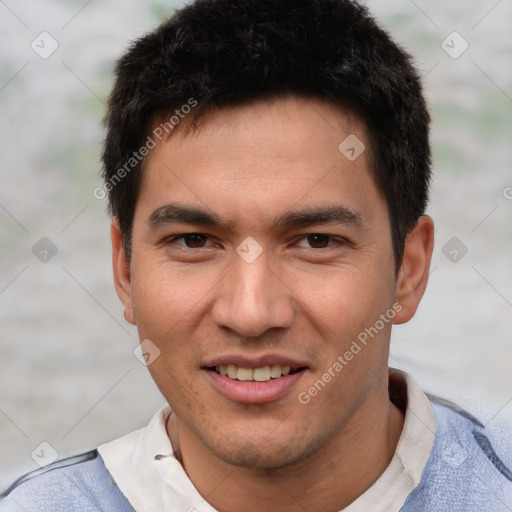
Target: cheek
(166, 298)
(353, 342)
(344, 301)
(166, 307)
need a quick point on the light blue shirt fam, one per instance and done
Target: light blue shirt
(468, 471)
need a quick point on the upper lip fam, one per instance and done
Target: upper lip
(254, 362)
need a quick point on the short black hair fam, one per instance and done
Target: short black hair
(215, 53)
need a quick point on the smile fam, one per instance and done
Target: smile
(254, 385)
(262, 374)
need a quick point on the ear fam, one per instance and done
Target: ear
(413, 275)
(121, 267)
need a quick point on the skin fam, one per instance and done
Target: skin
(302, 297)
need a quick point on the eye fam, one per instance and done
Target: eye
(320, 241)
(192, 240)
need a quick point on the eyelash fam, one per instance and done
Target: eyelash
(183, 236)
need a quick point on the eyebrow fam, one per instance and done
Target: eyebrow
(179, 213)
(332, 214)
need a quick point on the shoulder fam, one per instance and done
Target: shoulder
(488, 444)
(470, 466)
(79, 483)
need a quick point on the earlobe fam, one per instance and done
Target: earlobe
(413, 276)
(121, 269)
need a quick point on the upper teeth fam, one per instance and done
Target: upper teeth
(258, 374)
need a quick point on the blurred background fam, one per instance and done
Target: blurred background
(68, 375)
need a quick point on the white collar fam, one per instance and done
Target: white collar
(401, 477)
(146, 471)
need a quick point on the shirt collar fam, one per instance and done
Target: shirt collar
(403, 474)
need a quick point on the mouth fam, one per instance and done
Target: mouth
(254, 382)
(261, 374)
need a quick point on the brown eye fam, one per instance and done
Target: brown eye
(321, 241)
(318, 241)
(192, 240)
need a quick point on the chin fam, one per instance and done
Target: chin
(261, 454)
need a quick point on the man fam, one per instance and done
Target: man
(267, 164)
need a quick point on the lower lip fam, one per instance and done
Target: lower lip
(254, 392)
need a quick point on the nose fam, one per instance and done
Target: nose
(253, 298)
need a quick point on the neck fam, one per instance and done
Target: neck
(330, 479)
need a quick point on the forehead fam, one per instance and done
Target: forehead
(263, 158)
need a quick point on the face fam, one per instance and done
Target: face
(260, 245)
